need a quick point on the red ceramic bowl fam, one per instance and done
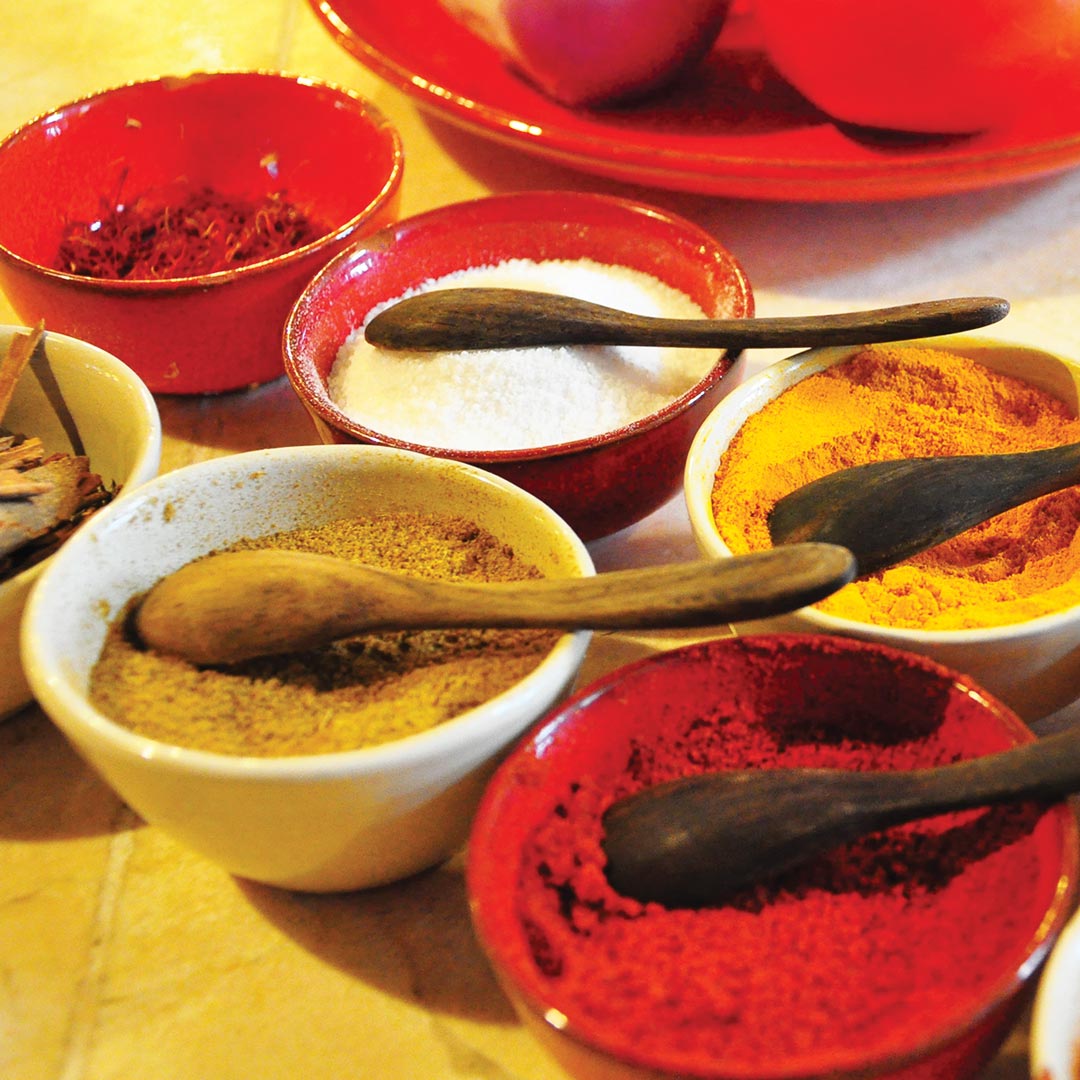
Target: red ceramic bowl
(908, 954)
(246, 134)
(599, 484)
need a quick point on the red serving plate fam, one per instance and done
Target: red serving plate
(734, 128)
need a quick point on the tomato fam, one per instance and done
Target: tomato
(945, 66)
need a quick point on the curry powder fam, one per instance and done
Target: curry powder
(890, 402)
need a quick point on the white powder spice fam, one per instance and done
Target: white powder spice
(514, 399)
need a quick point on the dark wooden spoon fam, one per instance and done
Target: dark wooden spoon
(886, 511)
(236, 605)
(697, 841)
(449, 319)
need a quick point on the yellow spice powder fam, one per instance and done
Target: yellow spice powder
(891, 402)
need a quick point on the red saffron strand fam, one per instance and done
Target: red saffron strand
(201, 232)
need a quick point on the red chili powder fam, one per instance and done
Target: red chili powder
(867, 949)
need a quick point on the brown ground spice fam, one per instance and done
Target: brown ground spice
(361, 691)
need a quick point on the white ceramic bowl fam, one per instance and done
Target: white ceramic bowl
(1033, 666)
(318, 822)
(1055, 1019)
(76, 398)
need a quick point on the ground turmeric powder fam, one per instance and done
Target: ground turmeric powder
(906, 401)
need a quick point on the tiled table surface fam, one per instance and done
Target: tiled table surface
(123, 956)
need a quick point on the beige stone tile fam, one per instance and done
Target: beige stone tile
(210, 976)
(56, 825)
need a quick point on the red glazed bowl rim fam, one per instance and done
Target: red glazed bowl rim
(361, 105)
(312, 389)
(482, 859)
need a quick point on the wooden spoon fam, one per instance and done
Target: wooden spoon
(888, 510)
(696, 841)
(449, 319)
(235, 605)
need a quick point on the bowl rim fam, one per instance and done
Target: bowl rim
(79, 717)
(534, 743)
(312, 388)
(147, 461)
(361, 105)
(1055, 1043)
(786, 373)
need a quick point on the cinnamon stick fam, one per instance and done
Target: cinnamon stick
(15, 360)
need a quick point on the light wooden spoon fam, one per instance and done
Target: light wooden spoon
(481, 318)
(236, 605)
(693, 842)
(886, 511)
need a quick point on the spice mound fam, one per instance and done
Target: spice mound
(865, 952)
(512, 399)
(182, 231)
(890, 402)
(360, 691)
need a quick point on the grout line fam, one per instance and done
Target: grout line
(84, 1014)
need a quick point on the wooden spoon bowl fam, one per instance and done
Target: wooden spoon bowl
(699, 840)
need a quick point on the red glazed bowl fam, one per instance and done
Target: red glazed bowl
(245, 134)
(598, 484)
(907, 954)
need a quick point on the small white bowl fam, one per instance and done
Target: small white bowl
(320, 822)
(76, 398)
(1033, 666)
(1055, 1019)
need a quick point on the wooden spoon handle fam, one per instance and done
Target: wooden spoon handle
(695, 841)
(1048, 769)
(236, 605)
(695, 593)
(849, 328)
(448, 319)
(887, 511)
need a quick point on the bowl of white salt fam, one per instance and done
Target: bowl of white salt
(599, 433)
